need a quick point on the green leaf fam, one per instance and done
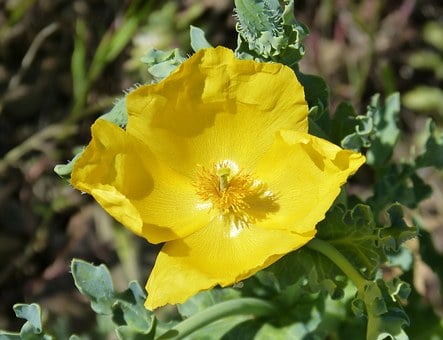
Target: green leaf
(433, 155)
(396, 232)
(95, 283)
(128, 333)
(32, 314)
(387, 132)
(205, 299)
(198, 39)
(316, 93)
(298, 316)
(317, 97)
(161, 63)
(268, 32)
(226, 309)
(354, 234)
(361, 137)
(398, 183)
(296, 330)
(311, 270)
(129, 310)
(118, 114)
(32, 328)
(343, 123)
(65, 170)
(380, 302)
(218, 329)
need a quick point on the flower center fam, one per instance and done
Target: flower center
(233, 192)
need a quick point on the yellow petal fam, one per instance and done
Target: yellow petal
(216, 107)
(217, 254)
(305, 173)
(143, 194)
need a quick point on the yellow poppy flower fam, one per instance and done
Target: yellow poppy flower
(216, 161)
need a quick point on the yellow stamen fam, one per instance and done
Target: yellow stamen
(232, 192)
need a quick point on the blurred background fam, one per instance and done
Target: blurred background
(63, 63)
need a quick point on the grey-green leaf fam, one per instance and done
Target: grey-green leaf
(387, 132)
(198, 39)
(118, 114)
(129, 310)
(95, 283)
(31, 313)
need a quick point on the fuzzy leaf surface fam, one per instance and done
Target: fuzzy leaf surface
(95, 283)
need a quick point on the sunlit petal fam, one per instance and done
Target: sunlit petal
(216, 107)
(143, 194)
(219, 254)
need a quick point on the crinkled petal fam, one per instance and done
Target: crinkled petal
(143, 194)
(305, 173)
(217, 254)
(216, 107)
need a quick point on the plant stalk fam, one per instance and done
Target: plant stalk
(241, 306)
(342, 262)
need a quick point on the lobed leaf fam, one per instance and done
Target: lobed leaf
(396, 232)
(398, 183)
(95, 283)
(311, 270)
(380, 302)
(161, 63)
(354, 234)
(32, 329)
(268, 32)
(129, 310)
(386, 131)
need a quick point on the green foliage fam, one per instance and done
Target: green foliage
(64, 170)
(85, 72)
(161, 63)
(201, 302)
(386, 132)
(32, 329)
(95, 283)
(380, 302)
(268, 32)
(132, 319)
(400, 182)
(376, 131)
(118, 114)
(396, 232)
(354, 234)
(198, 39)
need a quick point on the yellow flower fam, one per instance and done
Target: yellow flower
(217, 163)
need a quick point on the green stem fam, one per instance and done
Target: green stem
(342, 262)
(242, 306)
